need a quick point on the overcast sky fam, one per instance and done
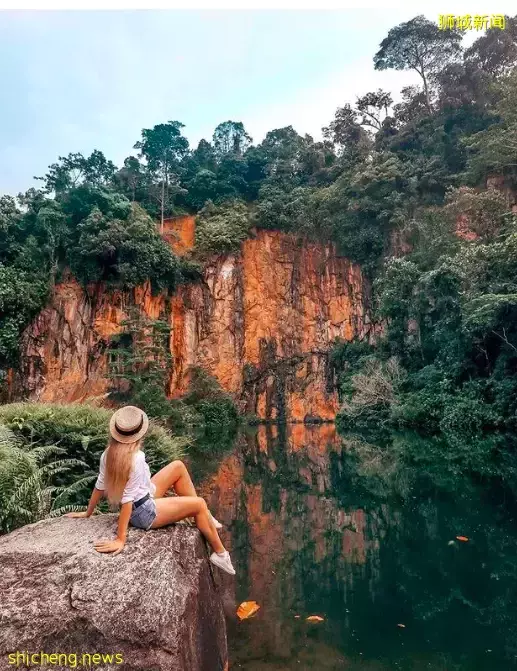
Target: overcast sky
(79, 81)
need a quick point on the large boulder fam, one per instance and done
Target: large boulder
(156, 603)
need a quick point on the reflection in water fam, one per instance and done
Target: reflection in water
(310, 534)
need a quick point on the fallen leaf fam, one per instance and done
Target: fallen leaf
(462, 538)
(402, 626)
(314, 618)
(247, 609)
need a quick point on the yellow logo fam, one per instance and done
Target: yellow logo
(471, 21)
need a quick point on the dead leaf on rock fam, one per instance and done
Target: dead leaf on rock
(314, 618)
(247, 609)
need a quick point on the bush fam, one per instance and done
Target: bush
(206, 412)
(126, 251)
(221, 228)
(22, 294)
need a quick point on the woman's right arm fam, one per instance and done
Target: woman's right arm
(97, 493)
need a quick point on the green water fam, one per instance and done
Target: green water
(316, 529)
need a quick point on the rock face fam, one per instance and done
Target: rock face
(260, 321)
(155, 604)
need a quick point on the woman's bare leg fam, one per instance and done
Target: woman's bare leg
(174, 475)
(175, 508)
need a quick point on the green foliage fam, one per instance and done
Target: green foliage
(22, 295)
(75, 169)
(163, 147)
(449, 309)
(28, 481)
(221, 228)
(230, 137)
(494, 149)
(126, 251)
(206, 413)
(140, 364)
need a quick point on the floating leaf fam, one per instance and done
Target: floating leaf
(464, 539)
(314, 618)
(247, 609)
(402, 626)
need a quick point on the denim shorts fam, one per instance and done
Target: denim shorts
(143, 516)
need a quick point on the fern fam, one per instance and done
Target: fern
(28, 491)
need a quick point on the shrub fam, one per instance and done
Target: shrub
(22, 294)
(221, 228)
(127, 251)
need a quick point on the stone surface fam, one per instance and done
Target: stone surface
(156, 603)
(261, 321)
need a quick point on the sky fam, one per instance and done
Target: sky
(78, 81)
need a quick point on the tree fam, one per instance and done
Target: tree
(345, 131)
(494, 149)
(373, 108)
(163, 147)
(231, 137)
(204, 156)
(495, 52)
(421, 46)
(126, 251)
(130, 176)
(75, 169)
(412, 107)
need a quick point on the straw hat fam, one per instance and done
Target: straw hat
(129, 424)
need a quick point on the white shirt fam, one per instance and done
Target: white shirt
(139, 483)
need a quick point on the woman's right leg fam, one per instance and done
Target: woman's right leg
(175, 508)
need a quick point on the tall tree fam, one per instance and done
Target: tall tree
(163, 147)
(230, 137)
(421, 46)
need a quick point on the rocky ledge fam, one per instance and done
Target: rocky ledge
(156, 604)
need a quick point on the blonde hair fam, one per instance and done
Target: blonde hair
(119, 461)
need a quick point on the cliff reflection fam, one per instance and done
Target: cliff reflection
(289, 535)
(308, 537)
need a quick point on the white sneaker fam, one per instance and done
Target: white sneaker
(217, 524)
(223, 561)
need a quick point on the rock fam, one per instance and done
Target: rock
(156, 603)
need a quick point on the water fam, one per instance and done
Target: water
(315, 529)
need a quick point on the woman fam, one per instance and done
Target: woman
(125, 479)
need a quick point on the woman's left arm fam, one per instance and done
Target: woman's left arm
(123, 523)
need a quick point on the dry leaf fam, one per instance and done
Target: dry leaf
(403, 626)
(314, 618)
(462, 538)
(247, 609)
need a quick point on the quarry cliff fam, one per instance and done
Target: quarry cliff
(261, 321)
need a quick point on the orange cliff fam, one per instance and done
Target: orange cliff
(261, 321)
